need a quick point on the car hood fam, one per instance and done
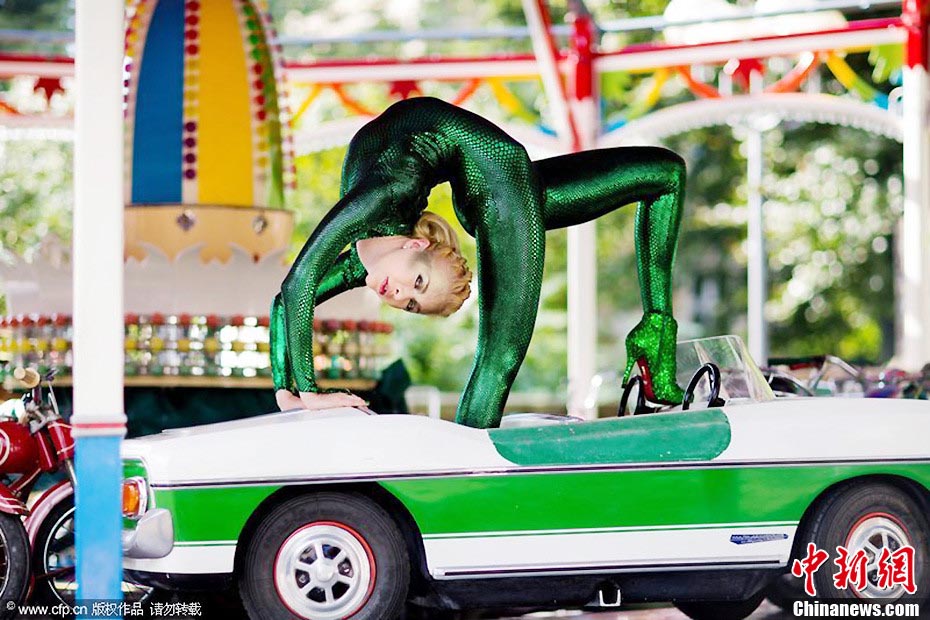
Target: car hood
(340, 443)
(347, 444)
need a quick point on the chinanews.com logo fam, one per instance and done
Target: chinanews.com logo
(877, 578)
(846, 609)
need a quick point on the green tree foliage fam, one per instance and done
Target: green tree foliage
(50, 15)
(35, 197)
(834, 201)
(35, 194)
(318, 178)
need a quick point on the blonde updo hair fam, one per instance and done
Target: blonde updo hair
(444, 244)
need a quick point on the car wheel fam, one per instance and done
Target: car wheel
(721, 610)
(14, 564)
(326, 556)
(53, 560)
(872, 517)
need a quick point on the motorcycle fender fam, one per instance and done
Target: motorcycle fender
(42, 506)
(11, 504)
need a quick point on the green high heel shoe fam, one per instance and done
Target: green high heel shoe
(651, 346)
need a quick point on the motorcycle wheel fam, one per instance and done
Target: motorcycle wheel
(53, 558)
(14, 564)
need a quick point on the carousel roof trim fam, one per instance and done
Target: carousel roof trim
(804, 107)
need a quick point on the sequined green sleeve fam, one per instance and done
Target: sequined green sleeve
(346, 274)
(360, 210)
(280, 365)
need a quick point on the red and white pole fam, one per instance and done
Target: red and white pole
(547, 59)
(575, 113)
(913, 345)
(582, 239)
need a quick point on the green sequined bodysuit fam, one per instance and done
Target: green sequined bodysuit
(506, 202)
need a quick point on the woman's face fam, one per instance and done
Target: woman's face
(410, 279)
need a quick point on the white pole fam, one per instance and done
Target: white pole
(582, 286)
(913, 337)
(757, 289)
(582, 316)
(913, 346)
(98, 420)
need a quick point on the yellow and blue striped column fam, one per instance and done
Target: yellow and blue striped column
(204, 104)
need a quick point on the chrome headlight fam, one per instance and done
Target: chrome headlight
(135, 497)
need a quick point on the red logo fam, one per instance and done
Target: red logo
(851, 571)
(897, 568)
(808, 566)
(894, 568)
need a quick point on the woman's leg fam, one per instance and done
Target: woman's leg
(583, 186)
(511, 244)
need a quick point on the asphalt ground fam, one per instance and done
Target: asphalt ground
(766, 611)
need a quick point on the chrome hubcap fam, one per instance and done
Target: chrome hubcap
(323, 572)
(872, 535)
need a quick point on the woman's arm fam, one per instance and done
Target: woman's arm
(280, 366)
(346, 274)
(308, 282)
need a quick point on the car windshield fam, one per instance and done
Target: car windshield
(741, 380)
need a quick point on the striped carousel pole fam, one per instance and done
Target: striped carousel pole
(99, 422)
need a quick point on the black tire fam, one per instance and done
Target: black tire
(53, 557)
(721, 610)
(856, 511)
(369, 583)
(14, 564)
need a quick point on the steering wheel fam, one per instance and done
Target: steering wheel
(713, 376)
(641, 406)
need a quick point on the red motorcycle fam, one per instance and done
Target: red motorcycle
(35, 442)
(20, 458)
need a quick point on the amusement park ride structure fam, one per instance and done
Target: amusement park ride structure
(570, 75)
(750, 45)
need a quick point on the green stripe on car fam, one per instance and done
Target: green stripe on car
(523, 502)
(216, 513)
(559, 501)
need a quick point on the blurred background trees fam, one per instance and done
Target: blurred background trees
(833, 198)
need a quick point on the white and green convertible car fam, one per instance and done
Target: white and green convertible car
(338, 514)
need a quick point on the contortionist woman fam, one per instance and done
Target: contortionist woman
(504, 200)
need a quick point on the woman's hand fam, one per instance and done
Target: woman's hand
(287, 401)
(312, 400)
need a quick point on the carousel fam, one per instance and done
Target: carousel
(208, 168)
